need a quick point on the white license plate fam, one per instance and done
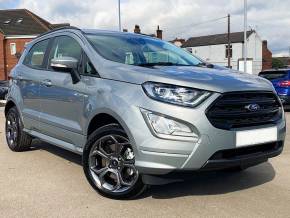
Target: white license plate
(256, 136)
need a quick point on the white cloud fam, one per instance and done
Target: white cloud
(177, 18)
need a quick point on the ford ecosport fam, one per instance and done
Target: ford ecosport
(138, 109)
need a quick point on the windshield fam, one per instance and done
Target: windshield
(140, 50)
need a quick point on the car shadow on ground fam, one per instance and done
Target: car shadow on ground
(215, 183)
(206, 183)
(69, 156)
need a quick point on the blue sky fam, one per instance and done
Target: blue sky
(177, 18)
(6, 4)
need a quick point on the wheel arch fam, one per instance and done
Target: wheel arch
(9, 105)
(103, 118)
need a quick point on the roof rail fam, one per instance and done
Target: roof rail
(60, 28)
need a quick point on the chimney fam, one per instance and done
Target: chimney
(159, 32)
(125, 30)
(137, 29)
(265, 43)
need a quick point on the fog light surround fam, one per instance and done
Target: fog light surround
(168, 127)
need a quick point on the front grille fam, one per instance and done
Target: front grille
(230, 110)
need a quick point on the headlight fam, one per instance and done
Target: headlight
(175, 94)
(164, 126)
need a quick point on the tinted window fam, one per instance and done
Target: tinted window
(65, 46)
(35, 56)
(271, 75)
(140, 50)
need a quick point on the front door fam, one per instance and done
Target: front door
(61, 101)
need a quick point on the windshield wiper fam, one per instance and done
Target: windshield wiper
(161, 64)
(203, 64)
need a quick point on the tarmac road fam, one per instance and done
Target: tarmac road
(49, 182)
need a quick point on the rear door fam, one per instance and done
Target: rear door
(62, 101)
(28, 80)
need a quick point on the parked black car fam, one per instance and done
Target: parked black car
(3, 89)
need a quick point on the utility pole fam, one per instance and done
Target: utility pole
(119, 8)
(245, 34)
(229, 41)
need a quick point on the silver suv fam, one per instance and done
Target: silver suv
(138, 109)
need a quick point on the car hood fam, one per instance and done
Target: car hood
(217, 79)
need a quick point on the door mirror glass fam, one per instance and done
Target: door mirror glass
(64, 64)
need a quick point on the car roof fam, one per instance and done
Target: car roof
(94, 31)
(277, 70)
(87, 31)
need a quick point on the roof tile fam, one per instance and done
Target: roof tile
(31, 24)
(216, 39)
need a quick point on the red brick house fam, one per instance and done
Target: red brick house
(18, 27)
(267, 56)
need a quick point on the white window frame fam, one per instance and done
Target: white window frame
(13, 49)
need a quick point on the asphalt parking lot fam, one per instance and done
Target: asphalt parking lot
(49, 182)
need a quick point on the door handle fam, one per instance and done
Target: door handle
(46, 83)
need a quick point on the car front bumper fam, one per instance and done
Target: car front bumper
(157, 156)
(244, 158)
(160, 156)
(285, 99)
(210, 155)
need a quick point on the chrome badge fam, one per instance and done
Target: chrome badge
(253, 107)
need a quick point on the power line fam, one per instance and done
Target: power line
(208, 21)
(198, 24)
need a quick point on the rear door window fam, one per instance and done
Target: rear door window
(272, 75)
(35, 57)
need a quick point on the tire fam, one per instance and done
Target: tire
(109, 164)
(17, 140)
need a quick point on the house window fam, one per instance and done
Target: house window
(13, 48)
(189, 50)
(231, 51)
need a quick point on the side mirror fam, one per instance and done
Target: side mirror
(66, 64)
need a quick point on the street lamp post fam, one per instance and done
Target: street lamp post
(245, 35)
(119, 8)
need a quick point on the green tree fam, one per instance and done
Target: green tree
(277, 63)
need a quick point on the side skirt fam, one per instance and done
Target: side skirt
(54, 141)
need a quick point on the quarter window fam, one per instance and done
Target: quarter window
(35, 56)
(89, 69)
